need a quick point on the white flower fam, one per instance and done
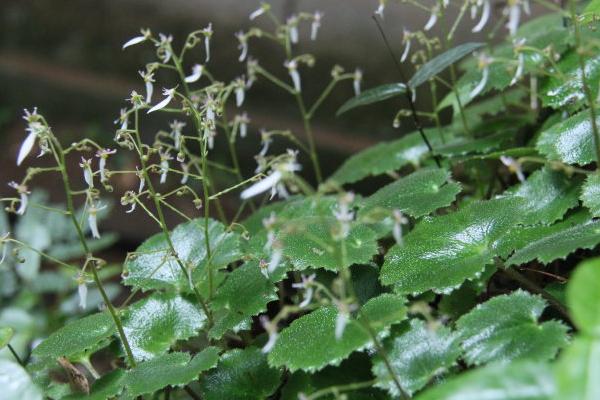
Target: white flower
(380, 8)
(138, 39)
(342, 319)
(123, 119)
(513, 166)
(264, 7)
(316, 24)
(208, 31)
(399, 220)
(164, 166)
(358, 75)
(88, 175)
(103, 155)
(176, 127)
(513, 11)
(243, 122)
(23, 194)
(483, 63)
(279, 172)
(344, 214)
(164, 50)
(432, 18)
(292, 23)
(149, 82)
(276, 257)
(266, 142)
(186, 173)
(169, 94)
(140, 189)
(93, 220)
(197, 71)
(82, 291)
(520, 61)
(407, 39)
(243, 46)
(26, 146)
(533, 92)
(485, 16)
(292, 66)
(240, 91)
(307, 285)
(209, 136)
(271, 330)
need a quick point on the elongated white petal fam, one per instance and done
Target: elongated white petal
(431, 21)
(397, 233)
(23, 205)
(314, 30)
(132, 209)
(82, 291)
(514, 16)
(88, 177)
(533, 92)
(406, 51)
(149, 91)
(207, 48)
(239, 96)
(519, 71)
(244, 52)
(93, 222)
(257, 13)
(102, 168)
(380, 10)
(356, 86)
(294, 34)
(270, 343)
(307, 297)
(340, 324)
(243, 129)
(485, 16)
(165, 102)
(26, 147)
(133, 41)
(4, 252)
(262, 185)
(296, 79)
(481, 85)
(164, 169)
(275, 260)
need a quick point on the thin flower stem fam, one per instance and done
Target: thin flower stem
(60, 156)
(306, 119)
(15, 355)
(341, 389)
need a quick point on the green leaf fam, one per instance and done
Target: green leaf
(439, 63)
(172, 369)
(77, 337)
(462, 146)
(245, 293)
(386, 156)
(519, 236)
(590, 194)
(16, 383)
(547, 196)
(153, 268)
(570, 141)
(373, 95)
(417, 356)
(442, 252)
(506, 328)
(558, 244)
(310, 242)
(6, 333)
(417, 194)
(241, 374)
(578, 370)
(583, 297)
(522, 380)
(563, 88)
(154, 324)
(309, 343)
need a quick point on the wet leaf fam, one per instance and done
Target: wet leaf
(583, 296)
(590, 194)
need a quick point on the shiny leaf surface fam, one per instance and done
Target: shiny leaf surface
(590, 194)
(506, 328)
(153, 268)
(309, 343)
(417, 355)
(442, 252)
(154, 324)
